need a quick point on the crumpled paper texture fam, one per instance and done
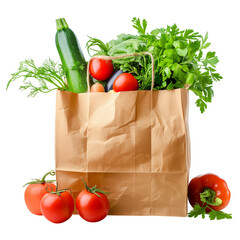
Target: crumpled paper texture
(135, 144)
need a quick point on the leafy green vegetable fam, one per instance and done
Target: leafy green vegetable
(198, 210)
(50, 73)
(178, 59)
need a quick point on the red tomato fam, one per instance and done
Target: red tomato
(34, 193)
(91, 207)
(125, 82)
(101, 69)
(208, 181)
(36, 190)
(57, 208)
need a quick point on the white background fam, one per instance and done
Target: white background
(27, 124)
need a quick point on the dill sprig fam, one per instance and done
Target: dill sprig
(46, 78)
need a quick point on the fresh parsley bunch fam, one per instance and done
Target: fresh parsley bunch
(178, 59)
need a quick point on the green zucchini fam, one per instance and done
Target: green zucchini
(72, 58)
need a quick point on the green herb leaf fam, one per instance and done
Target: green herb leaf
(170, 86)
(38, 79)
(190, 34)
(155, 32)
(201, 211)
(196, 211)
(141, 27)
(168, 72)
(211, 59)
(219, 215)
(182, 52)
(201, 104)
(190, 78)
(193, 47)
(205, 45)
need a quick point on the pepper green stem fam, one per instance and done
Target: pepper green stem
(61, 24)
(209, 196)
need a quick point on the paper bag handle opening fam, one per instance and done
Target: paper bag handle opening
(119, 57)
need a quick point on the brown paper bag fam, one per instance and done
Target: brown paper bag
(135, 144)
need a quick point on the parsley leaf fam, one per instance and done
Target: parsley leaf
(201, 211)
(141, 27)
(219, 215)
(196, 211)
(208, 199)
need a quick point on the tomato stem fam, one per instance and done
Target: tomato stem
(58, 192)
(94, 189)
(38, 180)
(52, 173)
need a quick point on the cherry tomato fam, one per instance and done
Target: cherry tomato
(92, 204)
(101, 69)
(97, 87)
(216, 186)
(35, 191)
(125, 82)
(57, 207)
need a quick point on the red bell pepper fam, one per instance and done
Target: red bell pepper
(208, 194)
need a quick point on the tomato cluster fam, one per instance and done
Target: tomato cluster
(43, 198)
(102, 70)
